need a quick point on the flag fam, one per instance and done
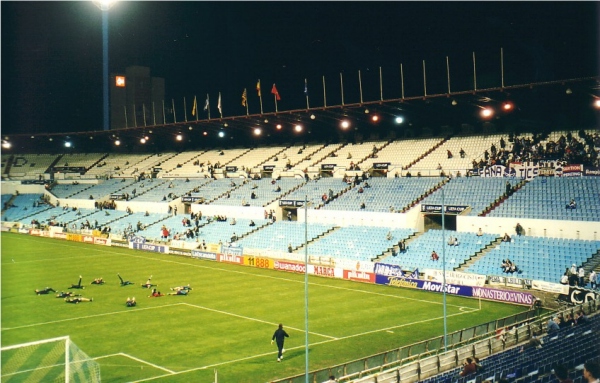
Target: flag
(276, 93)
(219, 104)
(415, 274)
(194, 107)
(244, 97)
(206, 103)
(305, 88)
(258, 88)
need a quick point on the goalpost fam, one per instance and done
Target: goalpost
(48, 360)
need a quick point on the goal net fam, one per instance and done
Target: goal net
(50, 360)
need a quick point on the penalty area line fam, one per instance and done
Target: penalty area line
(89, 316)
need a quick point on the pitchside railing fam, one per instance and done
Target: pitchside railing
(420, 360)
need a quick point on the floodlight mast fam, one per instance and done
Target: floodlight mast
(104, 6)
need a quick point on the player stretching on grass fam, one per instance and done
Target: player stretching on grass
(148, 284)
(62, 294)
(178, 288)
(156, 294)
(44, 291)
(279, 336)
(179, 292)
(78, 285)
(78, 299)
(97, 281)
(124, 283)
(130, 302)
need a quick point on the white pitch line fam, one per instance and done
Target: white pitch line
(88, 316)
(270, 277)
(148, 363)
(293, 348)
(255, 320)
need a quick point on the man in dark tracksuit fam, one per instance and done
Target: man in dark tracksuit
(279, 336)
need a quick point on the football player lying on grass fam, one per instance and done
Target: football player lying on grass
(188, 288)
(78, 285)
(63, 294)
(156, 294)
(44, 291)
(130, 302)
(148, 284)
(97, 281)
(78, 299)
(124, 283)
(179, 292)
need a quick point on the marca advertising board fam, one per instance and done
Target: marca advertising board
(325, 271)
(516, 297)
(454, 277)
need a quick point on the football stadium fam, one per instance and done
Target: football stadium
(373, 232)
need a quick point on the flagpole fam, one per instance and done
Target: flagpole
(402, 79)
(174, 115)
(502, 65)
(219, 106)
(144, 111)
(207, 106)
(306, 93)
(153, 114)
(360, 86)
(342, 87)
(195, 108)
(164, 116)
(184, 110)
(448, 73)
(134, 117)
(275, 97)
(125, 107)
(324, 94)
(259, 96)
(424, 80)
(474, 74)
(380, 85)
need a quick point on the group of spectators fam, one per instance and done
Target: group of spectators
(568, 149)
(574, 276)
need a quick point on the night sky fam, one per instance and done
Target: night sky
(52, 51)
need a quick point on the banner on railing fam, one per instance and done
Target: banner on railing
(454, 277)
(555, 288)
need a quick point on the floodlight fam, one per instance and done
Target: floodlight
(298, 128)
(345, 124)
(597, 103)
(278, 126)
(179, 137)
(67, 144)
(375, 118)
(117, 142)
(486, 112)
(221, 134)
(257, 131)
(6, 144)
(143, 140)
(399, 120)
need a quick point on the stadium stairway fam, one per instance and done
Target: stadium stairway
(327, 154)
(272, 157)
(8, 165)
(423, 196)
(475, 257)
(97, 162)
(429, 151)
(379, 149)
(335, 196)
(396, 247)
(500, 200)
(318, 237)
(9, 202)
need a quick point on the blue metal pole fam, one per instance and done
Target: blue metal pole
(306, 286)
(444, 271)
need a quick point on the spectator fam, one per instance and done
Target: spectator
(389, 236)
(534, 342)
(571, 205)
(591, 371)
(562, 373)
(593, 280)
(330, 380)
(552, 326)
(581, 276)
(402, 246)
(468, 367)
(479, 232)
(506, 238)
(362, 206)
(519, 229)
(434, 256)
(462, 153)
(564, 280)
(449, 153)
(580, 318)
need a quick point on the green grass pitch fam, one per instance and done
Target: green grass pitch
(225, 323)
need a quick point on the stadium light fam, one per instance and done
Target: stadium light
(179, 137)
(221, 134)
(205, 133)
(6, 144)
(345, 124)
(312, 116)
(117, 142)
(257, 131)
(143, 140)
(375, 118)
(597, 103)
(104, 6)
(298, 128)
(399, 120)
(486, 112)
(278, 127)
(508, 106)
